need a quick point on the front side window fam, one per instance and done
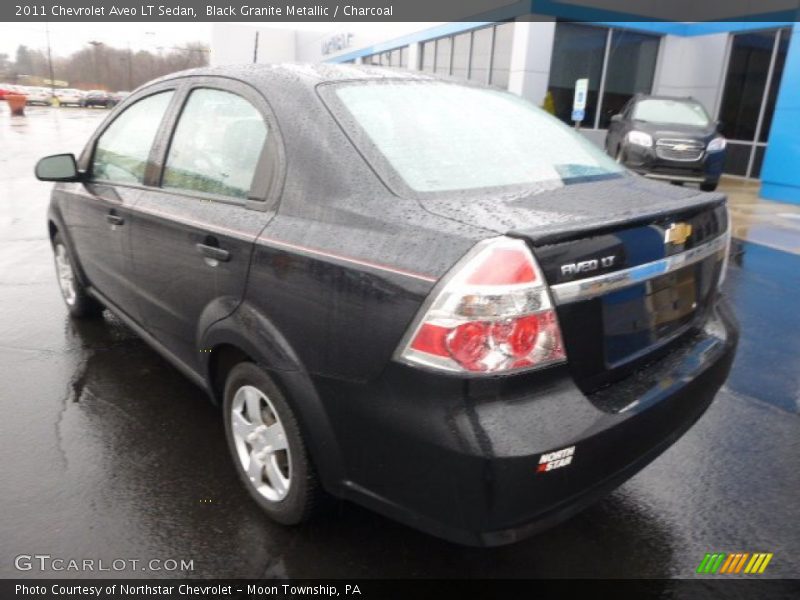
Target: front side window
(439, 137)
(123, 149)
(658, 110)
(216, 145)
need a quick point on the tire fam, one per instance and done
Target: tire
(79, 304)
(283, 482)
(708, 187)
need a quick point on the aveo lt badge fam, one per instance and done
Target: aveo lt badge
(586, 266)
(555, 460)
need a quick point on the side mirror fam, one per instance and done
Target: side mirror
(616, 118)
(719, 124)
(59, 167)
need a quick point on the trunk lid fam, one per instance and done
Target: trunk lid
(633, 265)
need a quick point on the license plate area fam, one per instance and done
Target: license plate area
(644, 316)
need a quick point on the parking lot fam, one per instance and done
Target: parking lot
(108, 452)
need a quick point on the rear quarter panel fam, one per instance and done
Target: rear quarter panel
(345, 264)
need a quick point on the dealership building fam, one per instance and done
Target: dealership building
(746, 74)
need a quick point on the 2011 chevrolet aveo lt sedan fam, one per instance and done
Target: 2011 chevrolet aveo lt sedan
(429, 298)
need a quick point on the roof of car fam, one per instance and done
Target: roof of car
(301, 73)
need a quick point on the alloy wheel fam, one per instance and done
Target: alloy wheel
(261, 445)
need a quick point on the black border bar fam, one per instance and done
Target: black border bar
(394, 10)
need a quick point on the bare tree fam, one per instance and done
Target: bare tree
(99, 65)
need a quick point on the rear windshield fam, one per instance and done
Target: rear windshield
(679, 112)
(440, 137)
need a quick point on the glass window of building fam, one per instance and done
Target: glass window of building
(428, 56)
(391, 58)
(631, 67)
(481, 54)
(748, 67)
(444, 48)
(501, 54)
(461, 44)
(579, 51)
(755, 68)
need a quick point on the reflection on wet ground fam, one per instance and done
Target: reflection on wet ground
(765, 222)
(763, 284)
(108, 452)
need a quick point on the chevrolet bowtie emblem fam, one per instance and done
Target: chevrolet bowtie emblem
(677, 233)
(680, 147)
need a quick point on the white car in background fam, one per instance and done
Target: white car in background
(69, 96)
(38, 95)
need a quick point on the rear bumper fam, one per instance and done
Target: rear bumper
(644, 161)
(459, 459)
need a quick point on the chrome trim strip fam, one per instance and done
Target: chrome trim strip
(573, 291)
(675, 177)
(674, 141)
(660, 154)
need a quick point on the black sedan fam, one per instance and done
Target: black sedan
(667, 138)
(429, 298)
(97, 98)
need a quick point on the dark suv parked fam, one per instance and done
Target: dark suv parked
(430, 298)
(667, 138)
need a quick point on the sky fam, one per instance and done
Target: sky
(66, 38)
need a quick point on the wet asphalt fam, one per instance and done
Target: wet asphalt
(109, 453)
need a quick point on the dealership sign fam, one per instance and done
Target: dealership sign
(579, 100)
(335, 43)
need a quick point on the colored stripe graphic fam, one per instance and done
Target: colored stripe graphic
(764, 564)
(758, 563)
(704, 564)
(740, 564)
(732, 558)
(711, 563)
(718, 563)
(723, 563)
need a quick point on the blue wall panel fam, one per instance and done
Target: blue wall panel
(780, 174)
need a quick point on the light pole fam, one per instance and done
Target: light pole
(95, 44)
(50, 59)
(130, 67)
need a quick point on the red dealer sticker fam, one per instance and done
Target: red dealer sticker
(555, 459)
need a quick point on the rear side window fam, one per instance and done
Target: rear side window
(440, 137)
(121, 152)
(216, 145)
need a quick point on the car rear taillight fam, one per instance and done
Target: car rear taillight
(491, 314)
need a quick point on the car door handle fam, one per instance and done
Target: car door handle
(213, 252)
(115, 219)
